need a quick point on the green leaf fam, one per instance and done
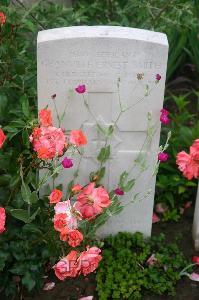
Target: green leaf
(26, 193)
(104, 154)
(34, 197)
(25, 106)
(20, 214)
(28, 281)
(25, 138)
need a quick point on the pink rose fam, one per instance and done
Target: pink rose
(91, 201)
(152, 260)
(55, 196)
(60, 221)
(73, 237)
(78, 138)
(2, 138)
(155, 218)
(2, 219)
(45, 117)
(76, 188)
(89, 260)
(2, 18)
(187, 165)
(68, 266)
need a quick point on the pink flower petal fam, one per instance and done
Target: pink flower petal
(49, 286)
(155, 218)
(86, 298)
(194, 276)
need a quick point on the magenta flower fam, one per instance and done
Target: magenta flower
(155, 218)
(118, 191)
(81, 89)
(67, 163)
(158, 77)
(163, 156)
(164, 119)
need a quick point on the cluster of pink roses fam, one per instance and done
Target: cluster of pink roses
(76, 263)
(189, 163)
(90, 202)
(49, 141)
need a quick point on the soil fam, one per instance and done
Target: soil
(186, 289)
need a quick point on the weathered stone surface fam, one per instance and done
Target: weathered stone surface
(98, 56)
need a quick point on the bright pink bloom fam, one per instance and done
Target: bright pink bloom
(164, 112)
(158, 77)
(81, 89)
(67, 163)
(187, 165)
(194, 151)
(55, 196)
(2, 138)
(164, 119)
(91, 201)
(48, 142)
(2, 18)
(163, 156)
(48, 286)
(78, 138)
(45, 117)
(118, 191)
(194, 276)
(155, 218)
(68, 266)
(2, 219)
(195, 260)
(152, 260)
(161, 208)
(89, 260)
(60, 221)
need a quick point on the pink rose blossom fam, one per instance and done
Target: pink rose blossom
(76, 188)
(81, 89)
(163, 156)
(48, 142)
(187, 165)
(2, 18)
(67, 163)
(155, 218)
(91, 201)
(45, 117)
(118, 191)
(2, 138)
(73, 237)
(89, 260)
(68, 266)
(2, 219)
(86, 298)
(195, 260)
(161, 208)
(55, 196)
(78, 138)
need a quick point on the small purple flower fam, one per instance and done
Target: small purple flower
(118, 191)
(81, 89)
(163, 156)
(158, 77)
(67, 163)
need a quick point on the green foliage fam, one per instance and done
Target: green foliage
(171, 187)
(124, 274)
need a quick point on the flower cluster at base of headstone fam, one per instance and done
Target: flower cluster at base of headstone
(89, 202)
(188, 164)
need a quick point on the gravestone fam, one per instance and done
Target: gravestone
(103, 58)
(196, 222)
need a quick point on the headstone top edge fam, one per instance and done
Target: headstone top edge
(102, 32)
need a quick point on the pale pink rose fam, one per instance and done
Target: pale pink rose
(91, 201)
(68, 266)
(86, 298)
(194, 276)
(2, 219)
(89, 260)
(155, 218)
(48, 142)
(45, 117)
(48, 286)
(72, 214)
(152, 260)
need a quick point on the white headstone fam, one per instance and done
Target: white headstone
(98, 56)
(196, 223)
